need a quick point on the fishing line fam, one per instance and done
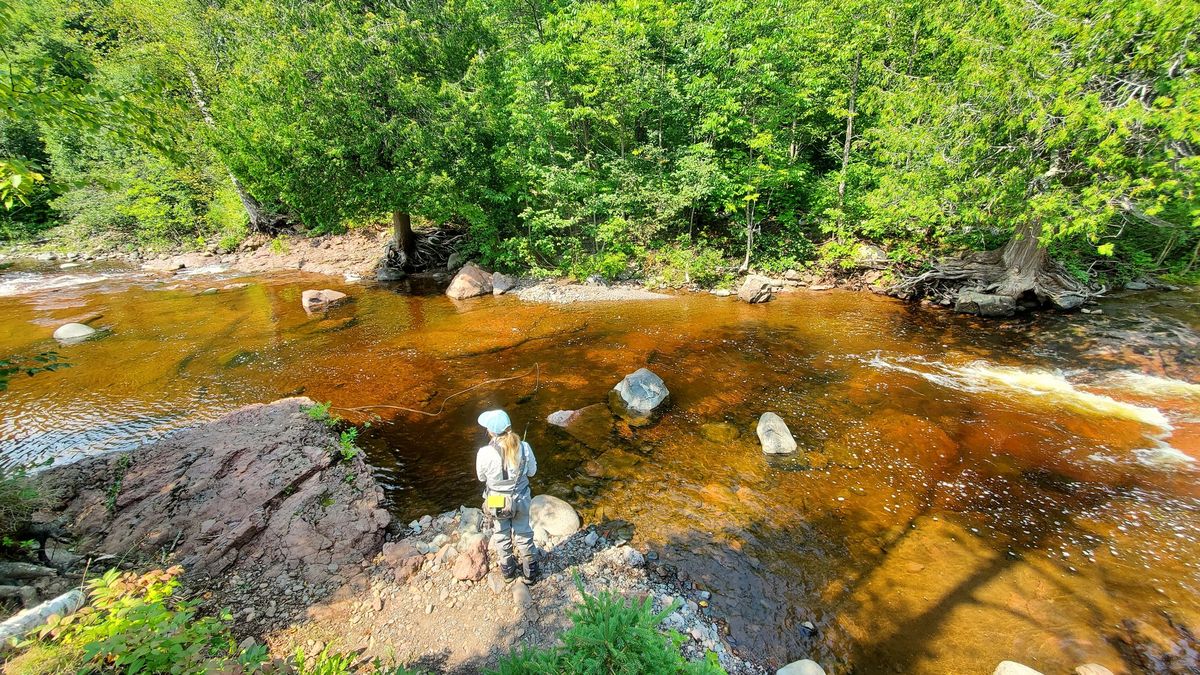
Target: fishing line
(537, 371)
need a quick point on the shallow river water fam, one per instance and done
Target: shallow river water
(970, 491)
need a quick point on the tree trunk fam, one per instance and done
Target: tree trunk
(403, 249)
(260, 220)
(749, 237)
(849, 130)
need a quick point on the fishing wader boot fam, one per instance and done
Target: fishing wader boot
(529, 570)
(508, 568)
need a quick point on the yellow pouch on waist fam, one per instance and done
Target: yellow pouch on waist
(495, 501)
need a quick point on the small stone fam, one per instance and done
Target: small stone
(429, 609)
(774, 435)
(319, 301)
(521, 596)
(1092, 669)
(591, 539)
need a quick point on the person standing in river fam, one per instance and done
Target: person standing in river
(504, 465)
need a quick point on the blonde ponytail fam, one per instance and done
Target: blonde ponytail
(510, 445)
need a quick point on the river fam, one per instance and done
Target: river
(973, 491)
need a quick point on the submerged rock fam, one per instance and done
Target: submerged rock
(71, 333)
(1092, 669)
(720, 432)
(640, 397)
(470, 282)
(801, 667)
(774, 435)
(319, 301)
(755, 289)
(387, 274)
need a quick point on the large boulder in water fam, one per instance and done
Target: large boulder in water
(755, 289)
(552, 517)
(70, 333)
(774, 435)
(640, 397)
(319, 301)
(257, 494)
(470, 282)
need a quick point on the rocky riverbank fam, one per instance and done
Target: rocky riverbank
(274, 522)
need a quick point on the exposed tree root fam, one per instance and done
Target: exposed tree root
(433, 249)
(1018, 275)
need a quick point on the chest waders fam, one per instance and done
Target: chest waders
(506, 504)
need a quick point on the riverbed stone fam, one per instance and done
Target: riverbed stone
(755, 289)
(720, 432)
(1014, 668)
(319, 301)
(774, 435)
(455, 261)
(470, 282)
(552, 517)
(640, 397)
(592, 426)
(984, 304)
(386, 274)
(560, 418)
(167, 265)
(70, 333)
(801, 667)
(1092, 669)
(471, 563)
(502, 283)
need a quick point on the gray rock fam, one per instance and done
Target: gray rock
(169, 265)
(389, 274)
(774, 435)
(1092, 669)
(502, 283)
(631, 556)
(45, 257)
(1137, 286)
(722, 292)
(984, 304)
(801, 667)
(755, 289)
(869, 256)
(68, 266)
(552, 517)
(639, 397)
(591, 539)
(71, 333)
(521, 597)
(1014, 668)
(793, 275)
(560, 418)
(470, 282)
(455, 261)
(319, 301)
(470, 520)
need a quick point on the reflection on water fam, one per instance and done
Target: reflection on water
(970, 492)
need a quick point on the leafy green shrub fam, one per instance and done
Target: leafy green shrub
(683, 263)
(610, 635)
(134, 624)
(320, 412)
(347, 445)
(20, 496)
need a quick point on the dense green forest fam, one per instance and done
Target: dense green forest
(598, 136)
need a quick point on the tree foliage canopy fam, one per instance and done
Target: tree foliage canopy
(594, 136)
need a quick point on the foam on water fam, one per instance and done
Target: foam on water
(1150, 384)
(1029, 385)
(24, 283)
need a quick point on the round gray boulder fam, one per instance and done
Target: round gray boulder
(552, 517)
(774, 435)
